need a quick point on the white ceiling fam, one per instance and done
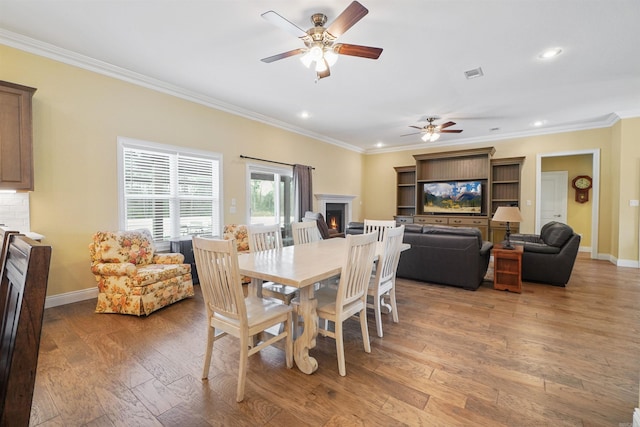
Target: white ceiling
(210, 51)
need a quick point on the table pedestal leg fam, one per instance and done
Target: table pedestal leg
(255, 288)
(307, 339)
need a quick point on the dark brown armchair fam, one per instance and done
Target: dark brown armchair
(325, 231)
(548, 257)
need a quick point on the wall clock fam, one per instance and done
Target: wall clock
(582, 184)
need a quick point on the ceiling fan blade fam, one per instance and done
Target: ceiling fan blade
(347, 19)
(414, 133)
(451, 131)
(416, 127)
(284, 24)
(357, 50)
(446, 125)
(282, 55)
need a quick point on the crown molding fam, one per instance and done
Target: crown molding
(604, 122)
(68, 57)
(65, 56)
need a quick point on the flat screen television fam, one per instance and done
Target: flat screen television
(453, 197)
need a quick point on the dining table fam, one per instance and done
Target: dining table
(300, 266)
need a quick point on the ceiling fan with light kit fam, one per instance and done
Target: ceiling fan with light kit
(320, 46)
(431, 132)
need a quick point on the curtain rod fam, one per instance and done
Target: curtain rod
(269, 161)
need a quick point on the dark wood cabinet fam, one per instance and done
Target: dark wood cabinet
(184, 246)
(473, 164)
(499, 178)
(16, 149)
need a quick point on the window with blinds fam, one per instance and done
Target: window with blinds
(172, 191)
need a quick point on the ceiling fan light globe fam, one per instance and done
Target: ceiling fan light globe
(316, 53)
(425, 137)
(434, 137)
(321, 66)
(306, 60)
(331, 57)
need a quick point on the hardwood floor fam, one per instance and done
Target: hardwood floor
(549, 356)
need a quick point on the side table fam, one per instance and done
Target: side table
(507, 268)
(184, 246)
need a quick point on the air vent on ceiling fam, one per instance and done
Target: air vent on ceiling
(472, 74)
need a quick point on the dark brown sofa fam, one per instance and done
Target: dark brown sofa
(548, 257)
(455, 256)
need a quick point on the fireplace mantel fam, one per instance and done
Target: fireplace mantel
(323, 199)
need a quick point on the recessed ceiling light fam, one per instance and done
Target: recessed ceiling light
(538, 123)
(305, 115)
(550, 53)
(380, 144)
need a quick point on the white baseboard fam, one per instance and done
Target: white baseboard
(636, 418)
(627, 263)
(71, 297)
(619, 262)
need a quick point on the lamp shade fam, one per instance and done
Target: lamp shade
(507, 214)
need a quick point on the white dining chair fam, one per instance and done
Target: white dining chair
(350, 297)
(230, 312)
(305, 232)
(378, 226)
(264, 238)
(384, 281)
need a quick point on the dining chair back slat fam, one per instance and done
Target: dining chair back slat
(217, 260)
(378, 226)
(264, 237)
(305, 232)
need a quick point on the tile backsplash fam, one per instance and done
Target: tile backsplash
(14, 211)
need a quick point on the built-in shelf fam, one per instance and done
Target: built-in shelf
(505, 191)
(405, 190)
(500, 180)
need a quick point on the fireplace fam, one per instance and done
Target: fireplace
(335, 216)
(337, 210)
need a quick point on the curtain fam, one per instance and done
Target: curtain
(303, 189)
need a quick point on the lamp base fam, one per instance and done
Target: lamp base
(507, 245)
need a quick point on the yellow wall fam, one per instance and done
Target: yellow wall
(379, 175)
(578, 214)
(78, 116)
(629, 181)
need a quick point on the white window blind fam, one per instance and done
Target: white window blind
(170, 191)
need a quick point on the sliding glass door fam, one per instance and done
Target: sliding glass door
(271, 199)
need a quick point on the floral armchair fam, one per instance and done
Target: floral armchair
(132, 278)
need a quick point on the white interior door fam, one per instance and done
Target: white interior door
(553, 197)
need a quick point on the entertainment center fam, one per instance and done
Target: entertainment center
(459, 188)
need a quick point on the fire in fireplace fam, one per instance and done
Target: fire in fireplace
(335, 216)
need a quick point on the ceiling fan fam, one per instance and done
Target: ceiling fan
(431, 132)
(320, 46)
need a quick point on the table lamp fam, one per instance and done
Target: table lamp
(507, 214)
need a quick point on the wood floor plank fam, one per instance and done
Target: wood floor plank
(548, 356)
